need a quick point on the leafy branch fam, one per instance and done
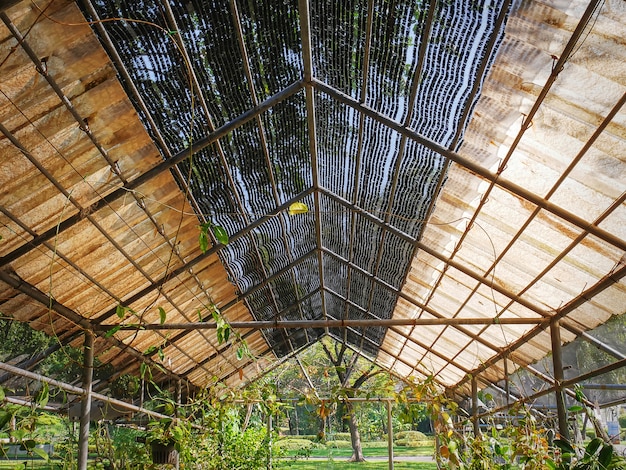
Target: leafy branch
(218, 232)
(224, 331)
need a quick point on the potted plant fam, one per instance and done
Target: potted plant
(166, 438)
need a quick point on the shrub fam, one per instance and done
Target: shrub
(410, 443)
(310, 437)
(338, 444)
(342, 436)
(622, 420)
(410, 436)
(291, 443)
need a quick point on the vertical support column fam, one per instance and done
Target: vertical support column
(179, 399)
(389, 435)
(269, 441)
(506, 381)
(557, 363)
(85, 406)
(475, 406)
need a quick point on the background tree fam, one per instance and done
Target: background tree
(352, 374)
(327, 375)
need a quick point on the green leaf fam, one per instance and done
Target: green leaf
(162, 315)
(143, 368)
(5, 417)
(150, 350)
(158, 389)
(2, 394)
(120, 311)
(593, 446)
(43, 395)
(606, 456)
(203, 240)
(575, 409)
(220, 234)
(18, 434)
(161, 354)
(239, 353)
(178, 433)
(567, 451)
(226, 333)
(112, 331)
(41, 453)
(29, 444)
(220, 336)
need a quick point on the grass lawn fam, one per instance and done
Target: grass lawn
(342, 465)
(284, 465)
(336, 458)
(373, 452)
(370, 449)
(13, 464)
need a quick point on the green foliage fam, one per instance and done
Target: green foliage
(213, 432)
(597, 455)
(224, 444)
(308, 437)
(622, 420)
(338, 444)
(521, 444)
(118, 447)
(295, 443)
(409, 443)
(218, 232)
(410, 436)
(65, 364)
(125, 386)
(18, 338)
(29, 426)
(341, 465)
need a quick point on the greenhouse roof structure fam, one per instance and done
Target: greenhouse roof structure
(438, 184)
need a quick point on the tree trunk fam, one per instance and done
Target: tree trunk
(355, 436)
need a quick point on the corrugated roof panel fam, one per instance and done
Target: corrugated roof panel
(604, 305)
(526, 220)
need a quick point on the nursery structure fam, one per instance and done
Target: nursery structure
(441, 185)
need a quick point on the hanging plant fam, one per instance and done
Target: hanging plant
(125, 386)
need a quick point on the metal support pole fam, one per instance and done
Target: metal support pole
(557, 362)
(475, 406)
(85, 406)
(389, 435)
(506, 380)
(323, 323)
(269, 441)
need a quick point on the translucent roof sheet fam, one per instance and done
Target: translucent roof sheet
(462, 164)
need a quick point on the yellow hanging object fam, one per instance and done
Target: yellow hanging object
(298, 208)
